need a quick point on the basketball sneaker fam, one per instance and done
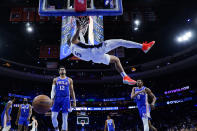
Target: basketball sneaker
(128, 80)
(147, 46)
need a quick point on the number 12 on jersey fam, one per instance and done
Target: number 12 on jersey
(62, 87)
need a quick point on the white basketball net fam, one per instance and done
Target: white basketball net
(82, 123)
(84, 22)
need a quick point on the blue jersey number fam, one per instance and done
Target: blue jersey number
(62, 88)
(78, 54)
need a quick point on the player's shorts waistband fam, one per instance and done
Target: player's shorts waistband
(82, 45)
(62, 97)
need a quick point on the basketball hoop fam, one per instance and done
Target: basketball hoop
(84, 22)
(83, 123)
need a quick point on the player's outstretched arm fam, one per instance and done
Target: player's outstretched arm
(72, 92)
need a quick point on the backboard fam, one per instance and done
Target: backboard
(92, 8)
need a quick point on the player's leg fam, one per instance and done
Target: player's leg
(25, 128)
(145, 123)
(26, 123)
(4, 121)
(144, 114)
(20, 127)
(65, 109)
(118, 65)
(54, 120)
(151, 126)
(119, 68)
(7, 128)
(65, 121)
(55, 110)
(115, 43)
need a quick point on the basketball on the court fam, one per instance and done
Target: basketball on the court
(42, 104)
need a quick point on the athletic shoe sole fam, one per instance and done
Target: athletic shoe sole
(128, 83)
(149, 48)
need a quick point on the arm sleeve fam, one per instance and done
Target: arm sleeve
(53, 92)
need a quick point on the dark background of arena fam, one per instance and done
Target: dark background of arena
(169, 65)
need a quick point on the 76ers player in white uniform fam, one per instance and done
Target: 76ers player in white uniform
(140, 94)
(98, 53)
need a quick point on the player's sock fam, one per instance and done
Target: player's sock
(123, 74)
(7, 128)
(145, 122)
(64, 121)
(54, 120)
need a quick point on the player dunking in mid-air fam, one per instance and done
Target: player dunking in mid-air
(62, 89)
(109, 124)
(98, 53)
(141, 94)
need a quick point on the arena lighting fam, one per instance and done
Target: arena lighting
(188, 34)
(95, 108)
(19, 96)
(185, 37)
(177, 90)
(137, 22)
(132, 107)
(174, 102)
(136, 28)
(179, 39)
(27, 24)
(29, 29)
(179, 101)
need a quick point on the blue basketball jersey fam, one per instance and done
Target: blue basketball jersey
(25, 110)
(142, 102)
(142, 98)
(9, 110)
(4, 113)
(62, 97)
(110, 126)
(62, 87)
